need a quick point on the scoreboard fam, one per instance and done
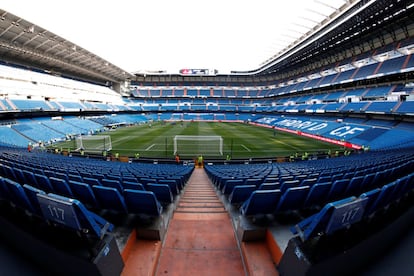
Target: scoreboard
(198, 72)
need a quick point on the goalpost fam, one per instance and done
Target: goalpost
(194, 144)
(94, 143)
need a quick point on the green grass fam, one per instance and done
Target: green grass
(239, 140)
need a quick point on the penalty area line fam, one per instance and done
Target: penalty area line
(150, 147)
(246, 148)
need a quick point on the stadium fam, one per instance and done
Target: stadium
(303, 165)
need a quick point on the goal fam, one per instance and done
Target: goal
(194, 144)
(94, 143)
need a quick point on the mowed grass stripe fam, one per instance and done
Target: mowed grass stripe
(241, 140)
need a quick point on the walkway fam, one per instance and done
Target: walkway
(200, 239)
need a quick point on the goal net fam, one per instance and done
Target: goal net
(194, 144)
(94, 143)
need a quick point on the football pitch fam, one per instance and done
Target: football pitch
(240, 141)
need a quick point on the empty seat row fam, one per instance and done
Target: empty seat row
(68, 212)
(345, 212)
(129, 202)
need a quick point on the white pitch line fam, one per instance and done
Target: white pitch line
(150, 147)
(246, 148)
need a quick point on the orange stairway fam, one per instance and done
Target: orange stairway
(200, 239)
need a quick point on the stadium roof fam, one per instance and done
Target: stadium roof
(114, 38)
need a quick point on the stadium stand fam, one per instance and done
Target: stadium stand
(359, 97)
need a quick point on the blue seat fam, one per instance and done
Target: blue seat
(338, 189)
(269, 186)
(20, 178)
(261, 202)
(18, 196)
(318, 223)
(84, 193)
(131, 178)
(43, 183)
(30, 178)
(31, 193)
(174, 186)
(162, 192)
(230, 184)
(4, 192)
(368, 184)
(60, 187)
(92, 181)
(180, 181)
(49, 173)
(146, 180)
(309, 182)
(74, 177)
(8, 172)
(381, 178)
(61, 175)
(293, 199)
(317, 195)
(241, 193)
(407, 183)
(142, 202)
(113, 184)
(253, 181)
(355, 186)
(110, 198)
(371, 198)
(132, 185)
(289, 184)
(384, 198)
(72, 214)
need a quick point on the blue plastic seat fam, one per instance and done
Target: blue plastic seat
(309, 182)
(30, 178)
(355, 186)
(92, 181)
(84, 193)
(74, 177)
(43, 183)
(162, 192)
(293, 199)
(371, 198)
(31, 193)
(261, 202)
(318, 223)
(72, 214)
(142, 202)
(368, 184)
(132, 185)
(338, 189)
(253, 181)
(20, 178)
(241, 193)
(230, 184)
(4, 192)
(113, 184)
(146, 180)
(384, 197)
(269, 186)
(18, 196)
(174, 186)
(60, 187)
(317, 195)
(289, 184)
(8, 172)
(110, 198)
